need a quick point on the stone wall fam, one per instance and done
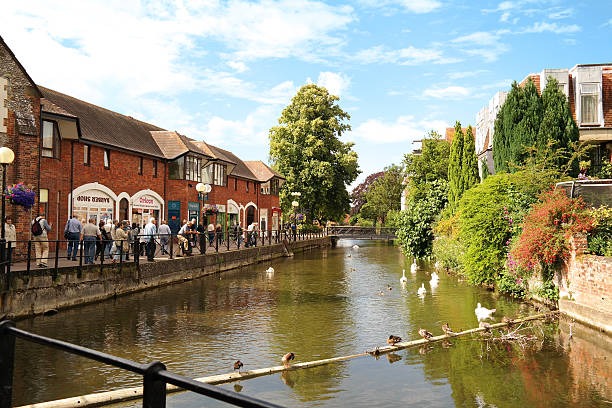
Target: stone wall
(585, 286)
(40, 291)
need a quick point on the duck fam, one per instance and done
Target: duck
(238, 365)
(393, 339)
(375, 352)
(403, 279)
(287, 358)
(389, 287)
(355, 246)
(270, 270)
(348, 256)
(414, 267)
(482, 313)
(422, 291)
(507, 320)
(486, 326)
(380, 293)
(447, 330)
(425, 334)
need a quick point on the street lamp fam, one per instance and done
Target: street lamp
(6, 157)
(202, 189)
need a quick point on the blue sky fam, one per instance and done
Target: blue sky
(223, 71)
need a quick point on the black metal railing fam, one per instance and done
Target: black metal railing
(53, 254)
(155, 376)
(356, 231)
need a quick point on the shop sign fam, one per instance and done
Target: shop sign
(221, 208)
(146, 202)
(193, 206)
(93, 198)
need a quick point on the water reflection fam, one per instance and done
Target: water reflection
(320, 305)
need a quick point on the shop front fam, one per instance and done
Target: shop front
(232, 213)
(276, 217)
(146, 205)
(93, 201)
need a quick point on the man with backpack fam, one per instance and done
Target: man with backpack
(39, 228)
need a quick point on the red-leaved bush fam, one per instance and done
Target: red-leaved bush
(544, 239)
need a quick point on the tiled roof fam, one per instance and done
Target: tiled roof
(169, 143)
(50, 107)
(262, 171)
(450, 133)
(485, 146)
(103, 126)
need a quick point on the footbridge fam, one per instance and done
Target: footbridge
(351, 232)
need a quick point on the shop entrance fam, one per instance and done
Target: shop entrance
(250, 215)
(123, 209)
(94, 204)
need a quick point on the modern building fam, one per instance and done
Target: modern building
(588, 88)
(91, 162)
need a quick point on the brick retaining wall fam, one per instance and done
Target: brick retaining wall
(39, 292)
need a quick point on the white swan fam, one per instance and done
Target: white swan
(434, 276)
(403, 279)
(422, 291)
(438, 265)
(482, 313)
(270, 270)
(355, 246)
(414, 267)
(433, 283)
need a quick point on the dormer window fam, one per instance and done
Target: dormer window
(589, 104)
(50, 140)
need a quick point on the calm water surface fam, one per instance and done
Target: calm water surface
(321, 304)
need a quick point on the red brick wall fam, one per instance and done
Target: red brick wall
(587, 279)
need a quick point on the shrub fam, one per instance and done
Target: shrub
(600, 238)
(449, 252)
(549, 291)
(512, 283)
(543, 240)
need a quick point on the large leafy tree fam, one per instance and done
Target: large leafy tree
(432, 162)
(455, 179)
(358, 195)
(469, 162)
(384, 195)
(306, 148)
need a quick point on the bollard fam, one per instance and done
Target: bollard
(154, 389)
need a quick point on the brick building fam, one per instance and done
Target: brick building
(588, 88)
(88, 161)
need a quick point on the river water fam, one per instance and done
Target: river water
(318, 305)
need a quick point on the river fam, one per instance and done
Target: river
(322, 304)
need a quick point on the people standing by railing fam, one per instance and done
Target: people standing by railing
(108, 227)
(100, 242)
(39, 228)
(148, 238)
(89, 235)
(72, 232)
(211, 233)
(184, 243)
(11, 237)
(122, 246)
(164, 236)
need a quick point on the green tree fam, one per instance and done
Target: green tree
(485, 169)
(432, 162)
(455, 187)
(307, 150)
(384, 194)
(469, 162)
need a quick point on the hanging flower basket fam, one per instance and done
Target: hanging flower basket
(19, 194)
(210, 211)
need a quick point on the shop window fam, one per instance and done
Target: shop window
(207, 174)
(107, 159)
(50, 140)
(154, 168)
(140, 163)
(235, 184)
(589, 104)
(247, 189)
(274, 187)
(43, 200)
(86, 155)
(176, 169)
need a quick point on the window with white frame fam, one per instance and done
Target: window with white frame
(50, 140)
(193, 168)
(207, 174)
(220, 174)
(589, 104)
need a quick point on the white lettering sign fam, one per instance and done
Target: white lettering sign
(146, 202)
(93, 198)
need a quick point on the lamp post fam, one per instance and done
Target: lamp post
(295, 204)
(6, 157)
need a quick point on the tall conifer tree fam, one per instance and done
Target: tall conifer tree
(469, 162)
(454, 168)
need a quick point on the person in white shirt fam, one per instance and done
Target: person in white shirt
(148, 236)
(164, 236)
(11, 236)
(183, 240)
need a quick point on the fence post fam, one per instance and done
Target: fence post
(227, 239)
(7, 361)
(120, 255)
(29, 255)
(171, 245)
(137, 252)
(216, 241)
(81, 259)
(154, 389)
(56, 260)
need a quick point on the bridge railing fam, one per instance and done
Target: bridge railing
(155, 376)
(360, 231)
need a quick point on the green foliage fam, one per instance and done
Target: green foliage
(415, 235)
(605, 172)
(392, 219)
(469, 162)
(485, 169)
(449, 252)
(384, 194)
(507, 282)
(455, 179)
(307, 150)
(432, 163)
(549, 291)
(600, 238)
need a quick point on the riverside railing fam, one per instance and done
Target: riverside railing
(29, 255)
(155, 376)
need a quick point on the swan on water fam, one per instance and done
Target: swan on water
(403, 279)
(270, 270)
(355, 246)
(482, 313)
(438, 265)
(414, 267)
(422, 291)
(434, 276)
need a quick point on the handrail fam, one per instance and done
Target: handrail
(155, 375)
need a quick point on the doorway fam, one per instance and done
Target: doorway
(250, 215)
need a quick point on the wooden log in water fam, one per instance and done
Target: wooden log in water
(127, 394)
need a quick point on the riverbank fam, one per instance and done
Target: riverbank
(24, 294)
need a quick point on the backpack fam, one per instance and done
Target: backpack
(36, 228)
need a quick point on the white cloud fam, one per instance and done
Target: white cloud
(556, 28)
(403, 129)
(485, 44)
(237, 66)
(479, 38)
(336, 84)
(561, 14)
(467, 74)
(252, 130)
(450, 92)
(413, 6)
(404, 56)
